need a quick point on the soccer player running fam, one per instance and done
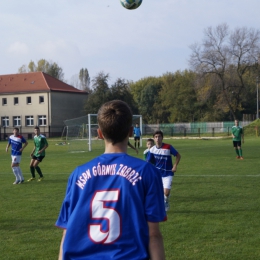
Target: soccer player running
(161, 156)
(16, 141)
(137, 135)
(113, 203)
(38, 153)
(237, 134)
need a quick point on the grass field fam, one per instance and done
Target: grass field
(214, 214)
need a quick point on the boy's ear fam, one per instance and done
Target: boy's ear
(100, 135)
(131, 131)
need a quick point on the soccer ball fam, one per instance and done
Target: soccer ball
(131, 4)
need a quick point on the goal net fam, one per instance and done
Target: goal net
(81, 133)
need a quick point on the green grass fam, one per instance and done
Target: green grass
(214, 214)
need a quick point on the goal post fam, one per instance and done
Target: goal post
(92, 120)
(81, 133)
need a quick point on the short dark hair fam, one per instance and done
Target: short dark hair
(16, 128)
(37, 127)
(158, 132)
(115, 120)
(149, 140)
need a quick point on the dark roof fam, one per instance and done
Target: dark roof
(33, 82)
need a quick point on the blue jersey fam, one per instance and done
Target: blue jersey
(137, 132)
(162, 158)
(16, 143)
(106, 208)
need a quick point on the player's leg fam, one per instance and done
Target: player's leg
(167, 184)
(32, 169)
(18, 169)
(14, 169)
(135, 142)
(138, 142)
(37, 168)
(240, 150)
(236, 149)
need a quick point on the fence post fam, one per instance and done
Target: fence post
(184, 132)
(213, 132)
(228, 131)
(199, 132)
(49, 131)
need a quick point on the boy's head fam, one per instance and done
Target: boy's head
(115, 121)
(37, 130)
(158, 132)
(158, 137)
(15, 130)
(149, 143)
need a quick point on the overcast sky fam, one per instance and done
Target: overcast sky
(101, 35)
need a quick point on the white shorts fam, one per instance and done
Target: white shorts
(16, 158)
(167, 182)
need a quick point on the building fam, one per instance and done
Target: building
(36, 98)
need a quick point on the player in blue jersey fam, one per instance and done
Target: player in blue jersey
(112, 207)
(161, 156)
(137, 135)
(18, 143)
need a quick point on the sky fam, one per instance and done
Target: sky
(102, 36)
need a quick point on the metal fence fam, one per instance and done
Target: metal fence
(201, 129)
(28, 131)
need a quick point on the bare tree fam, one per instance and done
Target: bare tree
(228, 56)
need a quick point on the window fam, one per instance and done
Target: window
(29, 120)
(5, 121)
(16, 101)
(29, 100)
(17, 121)
(42, 120)
(4, 101)
(41, 99)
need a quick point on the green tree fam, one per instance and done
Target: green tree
(99, 93)
(84, 79)
(121, 90)
(48, 67)
(145, 93)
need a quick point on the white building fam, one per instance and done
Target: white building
(36, 98)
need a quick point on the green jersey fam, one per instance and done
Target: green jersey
(237, 131)
(39, 142)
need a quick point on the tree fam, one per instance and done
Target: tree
(48, 67)
(227, 56)
(99, 93)
(84, 79)
(145, 93)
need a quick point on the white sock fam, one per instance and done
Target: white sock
(16, 174)
(20, 173)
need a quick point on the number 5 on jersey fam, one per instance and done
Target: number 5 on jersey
(100, 212)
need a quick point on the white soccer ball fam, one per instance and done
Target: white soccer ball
(130, 4)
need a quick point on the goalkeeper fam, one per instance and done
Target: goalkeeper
(137, 135)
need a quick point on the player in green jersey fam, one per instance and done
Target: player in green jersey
(238, 135)
(38, 153)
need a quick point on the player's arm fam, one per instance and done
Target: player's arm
(33, 151)
(156, 248)
(44, 147)
(131, 146)
(7, 147)
(61, 244)
(25, 144)
(178, 158)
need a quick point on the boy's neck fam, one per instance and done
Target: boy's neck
(116, 148)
